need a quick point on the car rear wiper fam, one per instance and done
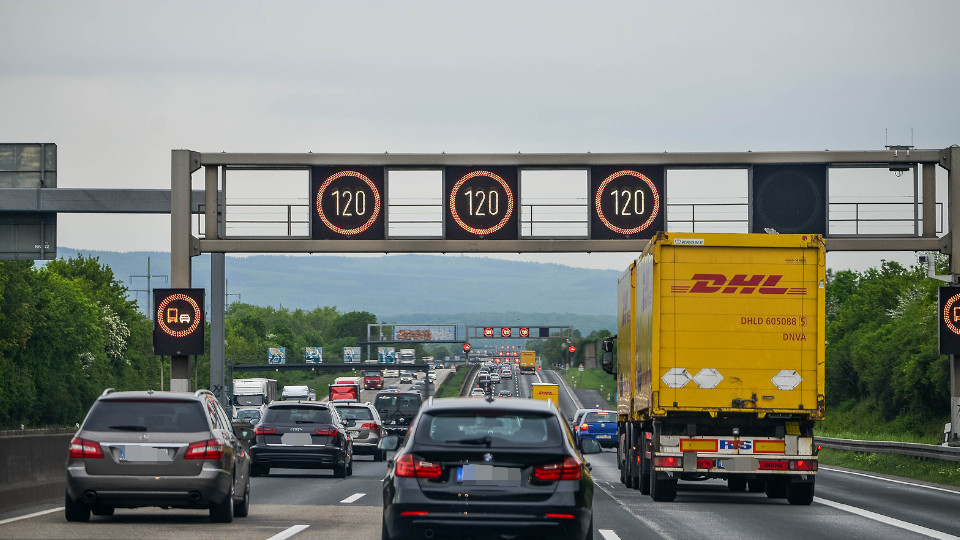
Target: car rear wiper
(485, 440)
(129, 427)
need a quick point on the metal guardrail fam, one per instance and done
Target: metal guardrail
(930, 451)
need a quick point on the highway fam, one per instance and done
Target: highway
(304, 504)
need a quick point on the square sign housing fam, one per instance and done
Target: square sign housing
(347, 203)
(949, 320)
(481, 203)
(178, 322)
(626, 202)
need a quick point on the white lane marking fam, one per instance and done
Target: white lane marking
(28, 516)
(658, 530)
(954, 491)
(353, 498)
(283, 535)
(885, 519)
(607, 534)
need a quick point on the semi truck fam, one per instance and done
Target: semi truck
(253, 394)
(720, 363)
(345, 389)
(408, 356)
(528, 361)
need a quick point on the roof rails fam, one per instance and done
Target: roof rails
(108, 391)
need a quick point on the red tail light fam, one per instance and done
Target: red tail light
(704, 463)
(371, 425)
(413, 513)
(259, 430)
(667, 461)
(84, 449)
(804, 465)
(327, 432)
(209, 449)
(410, 466)
(569, 469)
(560, 516)
(584, 427)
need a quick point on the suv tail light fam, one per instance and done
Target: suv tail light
(371, 425)
(568, 469)
(327, 432)
(410, 466)
(209, 449)
(84, 449)
(261, 430)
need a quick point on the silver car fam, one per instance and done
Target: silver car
(162, 449)
(365, 428)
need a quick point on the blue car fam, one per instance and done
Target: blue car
(598, 425)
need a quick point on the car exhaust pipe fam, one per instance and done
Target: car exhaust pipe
(89, 497)
(428, 534)
(195, 496)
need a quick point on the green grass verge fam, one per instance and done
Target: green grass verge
(591, 379)
(927, 470)
(451, 385)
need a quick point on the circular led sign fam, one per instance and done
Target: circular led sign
(481, 203)
(627, 202)
(178, 315)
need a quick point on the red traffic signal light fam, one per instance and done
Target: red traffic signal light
(572, 348)
(466, 347)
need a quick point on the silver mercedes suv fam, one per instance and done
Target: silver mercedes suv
(166, 449)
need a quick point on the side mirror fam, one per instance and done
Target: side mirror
(390, 442)
(590, 446)
(244, 433)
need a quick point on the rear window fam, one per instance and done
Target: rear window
(401, 401)
(505, 429)
(298, 415)
(355, 413)
(592, 417)
(160, 416)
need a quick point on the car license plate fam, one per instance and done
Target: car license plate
(488, 475)
(603, 436)
(296, 439)
(133, 452)
(354, 433)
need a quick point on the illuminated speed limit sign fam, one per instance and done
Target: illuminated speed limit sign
(347, 203)
(626, 202)
(480, 202)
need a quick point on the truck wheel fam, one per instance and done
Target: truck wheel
(776, 488)
(737, 485)
(644, 479)
(663, 490)
(755, 486)
(800, 493)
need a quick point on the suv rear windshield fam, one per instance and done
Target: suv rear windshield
(401, 401)
(594, 417)
(298, 415)
(355, 413)
(504, 429)
(160, 416)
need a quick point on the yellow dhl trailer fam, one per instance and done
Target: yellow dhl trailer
(528, 361)
(546, 392)
(720, 364)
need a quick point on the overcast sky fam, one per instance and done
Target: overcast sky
(118, 85)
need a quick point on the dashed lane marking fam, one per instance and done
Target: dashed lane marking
(932, 533)
(353, 498)
(283, 535)
(28, 516)
(607, 534)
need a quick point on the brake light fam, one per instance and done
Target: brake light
(209, 449)
(327, 432)
(84, 449)
(371, 425)
(260, 430)
(667, 461)
(804, 465)
(584, 427)
(410, 466)
(560, 516)
(765, 465)
(413, 513)
(568, 469)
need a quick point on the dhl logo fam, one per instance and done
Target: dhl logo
(761, 283)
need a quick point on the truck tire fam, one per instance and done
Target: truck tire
(800, 493)
(644, 473)
(736, 484)
(663, 490)
(776, 488)
(755, 485)
(628, 469)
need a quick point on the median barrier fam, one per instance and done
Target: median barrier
(33, 466)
